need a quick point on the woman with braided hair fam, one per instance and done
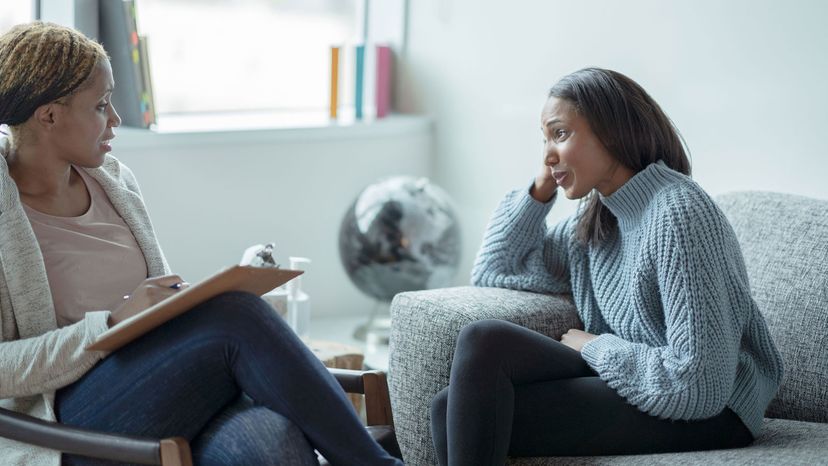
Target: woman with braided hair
(75, 238)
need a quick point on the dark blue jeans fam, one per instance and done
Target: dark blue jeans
(232, 378)
(515, 392)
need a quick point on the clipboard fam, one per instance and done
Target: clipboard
(256, 280)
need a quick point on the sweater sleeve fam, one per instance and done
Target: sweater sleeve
(50, 361)
(692, 375)
(519, 253)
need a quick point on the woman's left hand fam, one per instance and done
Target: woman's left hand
(576, 339)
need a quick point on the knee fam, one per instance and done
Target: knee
(239, 308)
(286, 441)
(254, 435)
(439, 408)
(439, 405)
(238, 314)
(480, 345)
(482, 335)
(238, 301)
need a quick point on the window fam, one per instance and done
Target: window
(244, 55)
(15, 12)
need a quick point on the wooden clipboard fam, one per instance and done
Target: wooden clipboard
(256, 280)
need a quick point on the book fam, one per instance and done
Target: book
(359, 84)
(256, 280)
(119, 36)
(334, 102)
(383, 84)
(147, 97)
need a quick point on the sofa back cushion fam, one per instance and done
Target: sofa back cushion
(784, 239)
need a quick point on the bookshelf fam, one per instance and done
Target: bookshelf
(118, 32)
(385, 27)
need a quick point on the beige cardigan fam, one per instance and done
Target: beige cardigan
(37, 358)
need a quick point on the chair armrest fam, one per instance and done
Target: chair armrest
(375, 388)
(424, 332)
(73, 440)
(350, 380)
(173, 451)
(380, 422)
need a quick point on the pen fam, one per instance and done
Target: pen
(175, 286)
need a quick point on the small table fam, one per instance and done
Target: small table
(341, 328)
(336, 355)
(339, 356)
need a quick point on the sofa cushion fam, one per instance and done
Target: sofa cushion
(784, 239)
(782, 442)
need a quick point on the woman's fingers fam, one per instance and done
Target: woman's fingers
(150, 292)
(166, 280)
(157, 292)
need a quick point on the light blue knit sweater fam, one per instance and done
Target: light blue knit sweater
(680, 335)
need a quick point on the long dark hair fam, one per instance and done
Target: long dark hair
(630, 125)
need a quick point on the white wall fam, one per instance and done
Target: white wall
(743, 80)
(79, 14)
(211, 195)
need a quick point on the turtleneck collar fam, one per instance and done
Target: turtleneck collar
(630, 201)
(5, 147)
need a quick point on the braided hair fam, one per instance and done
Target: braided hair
(40, 63)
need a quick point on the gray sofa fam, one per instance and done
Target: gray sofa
(784, 239)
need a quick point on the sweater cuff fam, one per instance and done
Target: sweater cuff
(97, 322)
(528, 211)
(596, 351)
(551, 200)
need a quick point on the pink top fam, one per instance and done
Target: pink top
(92, 261)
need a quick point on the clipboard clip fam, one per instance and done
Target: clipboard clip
(260, 256)
(266, 256)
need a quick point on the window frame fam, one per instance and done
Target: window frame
(392, 30)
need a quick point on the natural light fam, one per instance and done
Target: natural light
(15, 12)
(244, 55)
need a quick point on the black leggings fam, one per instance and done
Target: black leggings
(515, 392)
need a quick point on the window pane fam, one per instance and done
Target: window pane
(231, 55)
(15, 12)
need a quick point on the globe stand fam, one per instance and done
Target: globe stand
(377, 331)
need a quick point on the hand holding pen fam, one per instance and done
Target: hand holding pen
(149, 292)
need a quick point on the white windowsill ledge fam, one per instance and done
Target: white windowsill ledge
(245, 129)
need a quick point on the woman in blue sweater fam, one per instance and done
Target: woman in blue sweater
(674, 355)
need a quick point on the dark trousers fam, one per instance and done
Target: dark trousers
(515, 392)
(231, 377)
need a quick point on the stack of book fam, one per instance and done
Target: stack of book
(372, 92)
(133, 97)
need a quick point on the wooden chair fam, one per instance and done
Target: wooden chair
(175, 451)
(378, 417)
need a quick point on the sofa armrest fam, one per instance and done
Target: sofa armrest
(424, 331)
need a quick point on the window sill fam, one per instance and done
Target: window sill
(243, 129)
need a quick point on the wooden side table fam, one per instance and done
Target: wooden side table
(339, 356)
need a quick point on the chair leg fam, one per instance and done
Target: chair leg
(377, 401)
(175, 451)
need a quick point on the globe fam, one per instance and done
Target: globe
(400, 234)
